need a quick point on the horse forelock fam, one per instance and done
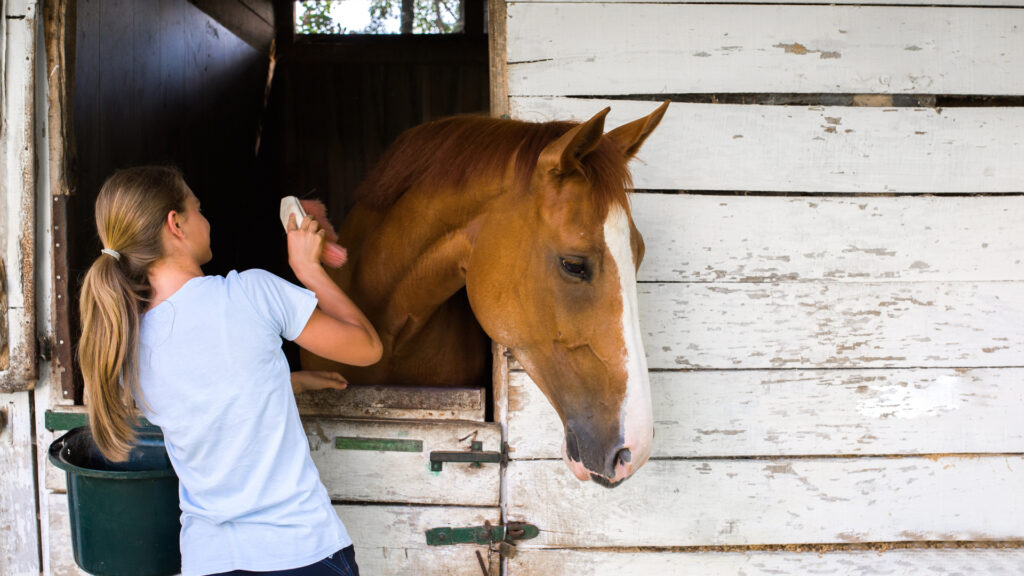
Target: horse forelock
(452, 152)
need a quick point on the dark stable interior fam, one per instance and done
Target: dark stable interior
(163, 82)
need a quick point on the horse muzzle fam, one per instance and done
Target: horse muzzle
(607, 463)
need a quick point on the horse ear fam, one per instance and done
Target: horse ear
(631, 136)
(563, 156)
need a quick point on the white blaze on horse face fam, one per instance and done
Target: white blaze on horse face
(636, 419)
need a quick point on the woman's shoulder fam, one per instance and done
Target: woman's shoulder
(258, 283)
(253, 278)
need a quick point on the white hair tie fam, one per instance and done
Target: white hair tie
(111, 252)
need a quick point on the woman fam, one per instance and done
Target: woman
(202, 357)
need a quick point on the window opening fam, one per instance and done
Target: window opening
(386, 17)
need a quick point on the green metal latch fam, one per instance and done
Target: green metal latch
(378, 444)
(475, 455)
(485, 534)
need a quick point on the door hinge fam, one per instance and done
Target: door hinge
(475, 456)
(503, 535)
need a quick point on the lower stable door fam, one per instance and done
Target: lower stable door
(699, 507)
(414, 475)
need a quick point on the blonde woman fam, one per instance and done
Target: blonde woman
(201, 357)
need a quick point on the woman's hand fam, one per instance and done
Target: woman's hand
(305, 243)
(307, 380)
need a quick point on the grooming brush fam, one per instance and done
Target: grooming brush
(332, 255)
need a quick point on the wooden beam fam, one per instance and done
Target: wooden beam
(497, 34)
(60, 17)
(247, 19)
(406, 48)
(284, 22)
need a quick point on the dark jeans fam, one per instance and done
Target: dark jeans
(341, 563)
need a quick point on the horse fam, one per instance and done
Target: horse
(472, 229)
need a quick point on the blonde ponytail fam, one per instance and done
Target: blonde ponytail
(130, 212)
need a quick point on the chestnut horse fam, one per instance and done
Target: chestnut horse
(471, 227)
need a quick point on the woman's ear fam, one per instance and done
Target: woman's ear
(173, 226)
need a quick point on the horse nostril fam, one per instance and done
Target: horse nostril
(572, 445)
(623, 457)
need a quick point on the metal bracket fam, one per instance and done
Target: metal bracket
(504, 536)
(475, 456)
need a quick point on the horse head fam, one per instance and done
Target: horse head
(552, 276)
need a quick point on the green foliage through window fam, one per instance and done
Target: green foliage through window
(379, 16)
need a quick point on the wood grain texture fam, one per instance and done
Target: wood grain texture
(820, 325)
(862, 563)
(380, 476)
(19, 530)
(805, 412)
(619, 48)
(392, 539)
(741, 502)
(423, 403)
(813, 149)
(698, 238)
(60, 554)
(19, 174)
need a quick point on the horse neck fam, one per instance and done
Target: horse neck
(415, 258)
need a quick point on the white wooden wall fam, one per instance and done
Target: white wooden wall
(833, 295)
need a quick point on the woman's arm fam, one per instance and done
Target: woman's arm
(337, 330)
(307, 380)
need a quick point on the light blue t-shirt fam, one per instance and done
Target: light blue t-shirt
(215, 380)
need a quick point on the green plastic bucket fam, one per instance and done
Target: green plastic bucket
(124, 515)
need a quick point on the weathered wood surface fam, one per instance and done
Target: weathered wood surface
(591, 48)
(822, 325)
(388, 539)
(18, 179)
(712, 238)
(392, 539)
(805, 412)
(59, 551)
(19, 532)
(391, 476)
(944, 562)
(773, 501)
(964, 3)
(424, 403)
(813, 149)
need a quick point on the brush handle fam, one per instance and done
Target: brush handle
(291, 205)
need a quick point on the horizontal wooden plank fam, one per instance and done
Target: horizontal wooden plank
(816, 412)
(813, 149)
(751, 502)
(425, 403)
(592, 49)
(392, 539)
(916, 562)
(832, 325)
(952, 3)
(400, 475)
(710, 238)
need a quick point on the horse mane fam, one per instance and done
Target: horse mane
(447, 153)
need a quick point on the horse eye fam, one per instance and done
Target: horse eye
(574, 268)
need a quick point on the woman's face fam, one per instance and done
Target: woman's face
(197, 230)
